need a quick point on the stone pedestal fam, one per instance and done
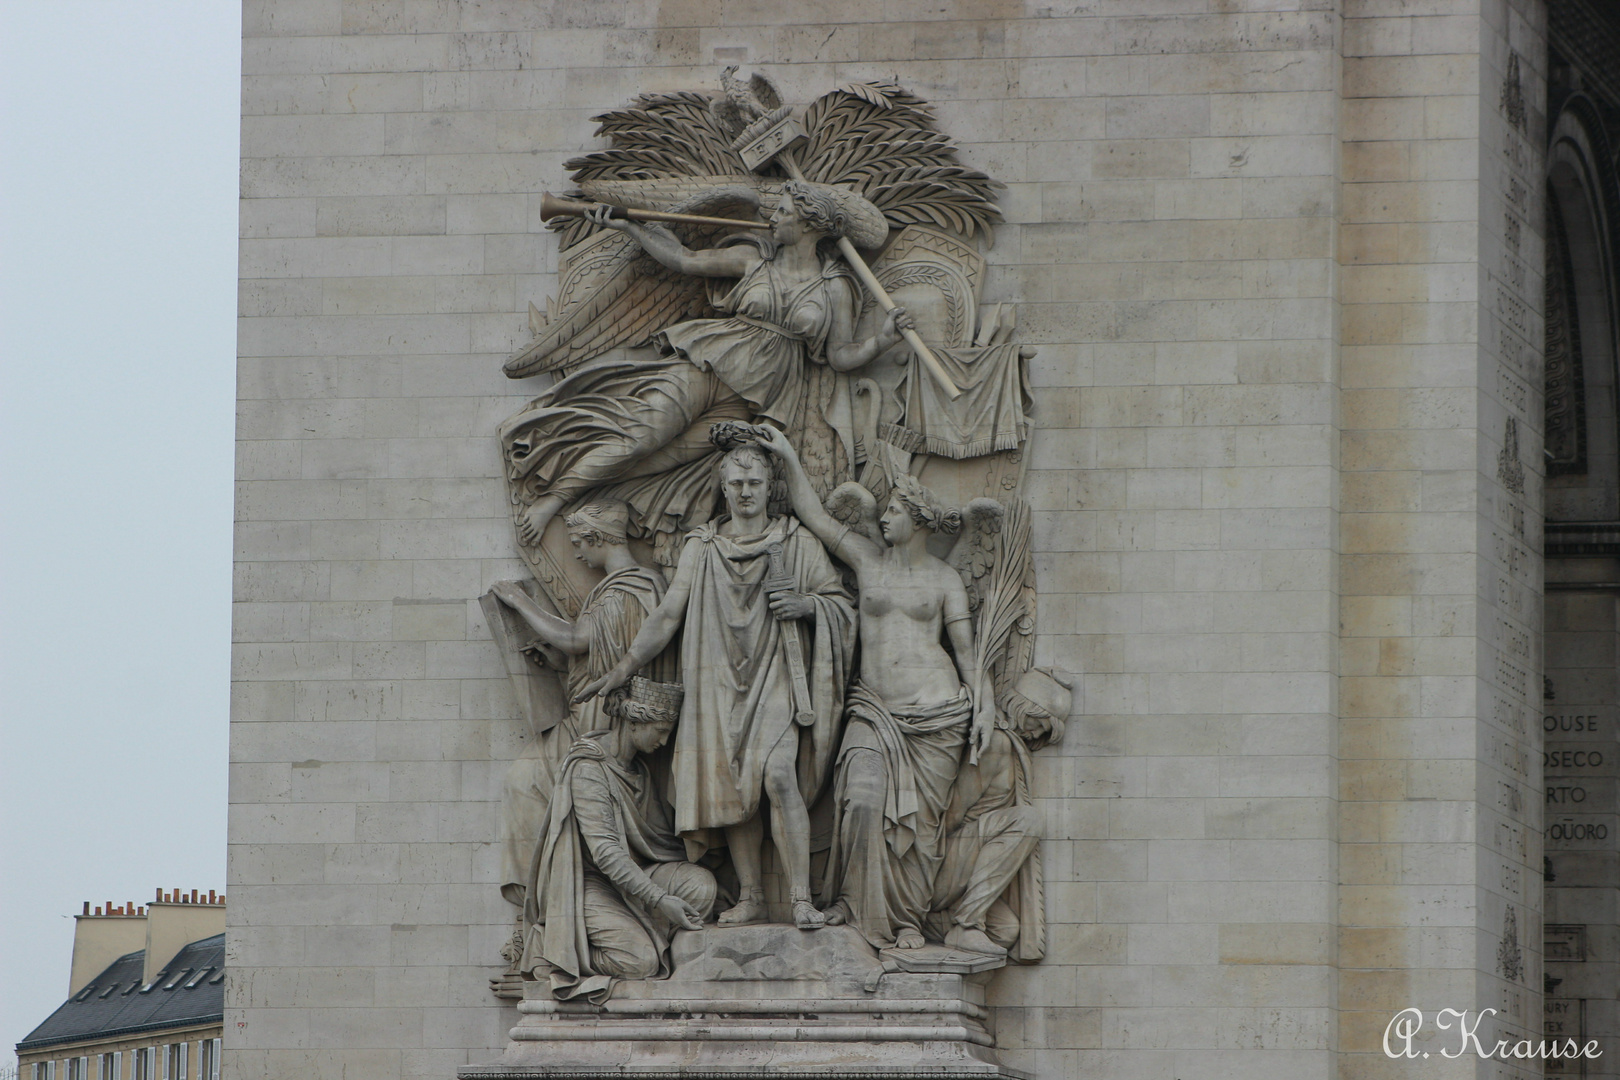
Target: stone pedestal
(768, 1001)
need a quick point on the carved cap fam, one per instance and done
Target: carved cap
(1043, 688)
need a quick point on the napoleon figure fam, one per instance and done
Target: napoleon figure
(756, 721)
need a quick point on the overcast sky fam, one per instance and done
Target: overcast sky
(118, 146)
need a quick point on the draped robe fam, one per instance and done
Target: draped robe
(642, 836)
(739, 695)
(883, 866)
(611, 615)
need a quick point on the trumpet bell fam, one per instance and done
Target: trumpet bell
(552, 206)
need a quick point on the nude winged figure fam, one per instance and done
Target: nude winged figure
(908, 717)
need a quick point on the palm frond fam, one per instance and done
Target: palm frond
(882, 141)
(662, 135)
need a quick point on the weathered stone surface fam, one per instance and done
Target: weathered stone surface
(765, 1000)
(1264, 256)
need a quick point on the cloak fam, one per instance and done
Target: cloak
(613, 611)
(561, 940)
(739, 692)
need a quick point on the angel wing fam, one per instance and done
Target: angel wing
(881, 140)
(994, 557)
(668, 152)
(611, 294)
(977, 545)
(856, 507)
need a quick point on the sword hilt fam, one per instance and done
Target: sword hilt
(777, 576)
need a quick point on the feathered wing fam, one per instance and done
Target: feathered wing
(882, 141)
(856, 507)
(974, 553)
(611, 295)
(606, 299)
(993, 556)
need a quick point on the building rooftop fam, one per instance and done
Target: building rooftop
(189, 990)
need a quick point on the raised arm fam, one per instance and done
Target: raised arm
(656, 632)
(662, 245)
(552, 629)
(852, 547)
(959, 628)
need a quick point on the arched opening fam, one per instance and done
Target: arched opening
(1582, 422)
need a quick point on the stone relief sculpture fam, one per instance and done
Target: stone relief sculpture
(590, 644)
(611, 881)
(909, 714)
(584, 647)
(756, 720)
(767, 328)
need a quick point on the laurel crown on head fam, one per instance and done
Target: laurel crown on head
(924, 508)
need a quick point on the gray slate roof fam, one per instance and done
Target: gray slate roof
(115, 1004)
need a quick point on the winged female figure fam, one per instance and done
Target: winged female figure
(636, 429)
(791, 304)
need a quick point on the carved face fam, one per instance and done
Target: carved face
(896, 523)
(786, 224)
(587, 549)
(747, 487)
(649, 737)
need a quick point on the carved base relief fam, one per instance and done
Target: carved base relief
(777, 419)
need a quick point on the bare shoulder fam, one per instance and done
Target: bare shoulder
(941, 571)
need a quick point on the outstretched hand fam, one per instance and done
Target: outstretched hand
(775, 440)
(605, 685)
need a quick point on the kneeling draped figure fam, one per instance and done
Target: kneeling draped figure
(611, 881)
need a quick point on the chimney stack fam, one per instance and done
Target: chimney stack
(174, 921)
(100, 939)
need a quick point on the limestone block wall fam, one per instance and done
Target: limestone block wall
(1440, 856)
(1246, 238)
(1182, 254)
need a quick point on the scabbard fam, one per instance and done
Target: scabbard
(781, 581)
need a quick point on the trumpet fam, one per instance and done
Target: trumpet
(556, 206)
